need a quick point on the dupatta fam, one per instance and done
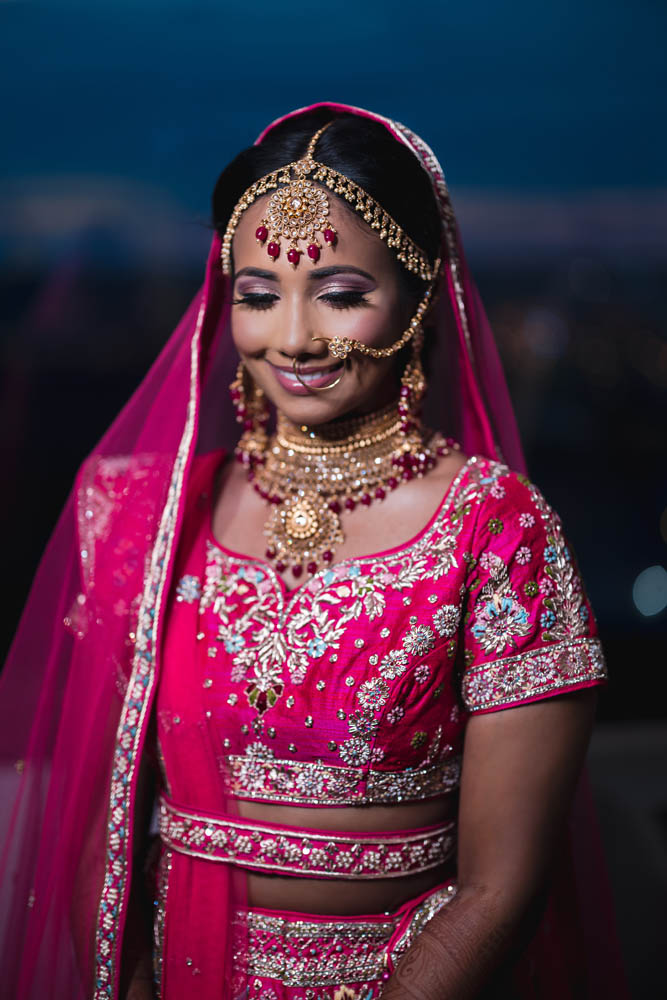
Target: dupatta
(77, 691)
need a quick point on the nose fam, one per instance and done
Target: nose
(294, 337)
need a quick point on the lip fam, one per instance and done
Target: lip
(319, 377)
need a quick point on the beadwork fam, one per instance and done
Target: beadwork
(299, 210)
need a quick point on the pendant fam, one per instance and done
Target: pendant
(303, 530)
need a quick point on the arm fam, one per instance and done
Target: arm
(520, 768)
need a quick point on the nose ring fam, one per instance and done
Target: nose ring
(313, 388)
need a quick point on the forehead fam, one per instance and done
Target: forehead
(356, 242)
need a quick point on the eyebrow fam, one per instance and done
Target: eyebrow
(317, 275)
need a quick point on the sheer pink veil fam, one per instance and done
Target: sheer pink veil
(77, 691)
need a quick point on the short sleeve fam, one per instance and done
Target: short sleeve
(530, 632)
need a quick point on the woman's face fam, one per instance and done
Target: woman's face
(352, 291)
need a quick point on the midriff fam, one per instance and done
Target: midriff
(346, 896)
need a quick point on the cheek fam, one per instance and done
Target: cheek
(249, 330)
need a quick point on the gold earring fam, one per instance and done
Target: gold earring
(252, 412)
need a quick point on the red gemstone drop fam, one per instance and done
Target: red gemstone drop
(273, 250)
(314, 252)
(280, 566)
(334, 506)
(261, 233)
(312, 567)
(329, 236)
(327, 556)
(350, 504)
(392, 482)
(293, 256)
(297, 570)
(366, 499)
(270, 553)
(380, 493)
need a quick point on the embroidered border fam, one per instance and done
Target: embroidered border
(320, 854)
(537, 672)
(134, 711)
(316, 953)
(418, 920)
(162, 890)
(308, 782)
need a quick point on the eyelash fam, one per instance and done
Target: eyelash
(337, 300)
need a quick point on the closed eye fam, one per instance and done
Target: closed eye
(349, 299)
(256, 300)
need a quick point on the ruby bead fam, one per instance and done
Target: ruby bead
(327, 556)
(392, 482)
(329, 236)
(248, 425)
(293, 256)
(273, 250)
(406, 425)
(312, 568)
(314, 252)
(334, 506)
(385, 975)
(280, 566)
(235, 394)
(350, 504)
(366, 499)
(405, 391)
(380, 493)
(408, 474)
(297, 570)
(275, 499)
(270, 553)
(261, 233)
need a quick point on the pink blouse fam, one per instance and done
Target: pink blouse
(355, 687)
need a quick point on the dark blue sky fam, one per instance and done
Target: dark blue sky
(526, 97)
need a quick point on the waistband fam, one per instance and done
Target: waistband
(304, 950)
(273, 847)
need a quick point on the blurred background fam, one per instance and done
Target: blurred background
(549, 121)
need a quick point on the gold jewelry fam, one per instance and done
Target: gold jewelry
(321, 388)
(340, 347)
(299, 210)
(252, 412)
(311, 475)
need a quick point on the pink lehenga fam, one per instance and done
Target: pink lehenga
(142, 632)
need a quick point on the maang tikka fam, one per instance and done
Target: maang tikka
(298, 211)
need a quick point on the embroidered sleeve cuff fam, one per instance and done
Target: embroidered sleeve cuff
(535, 674)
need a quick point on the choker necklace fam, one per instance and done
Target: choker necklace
(311, 475)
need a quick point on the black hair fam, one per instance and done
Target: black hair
(364, 151)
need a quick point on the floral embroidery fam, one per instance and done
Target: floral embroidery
(523, 555)
(497, 491)
(394, 664)
(526, 520)
(530, 588)
(490, 562)
(446, 620)
(495, 525)
(419, 640)
(500, 618)
(355, 752)
(418, 739)
(395, 715)
(422, 673)
(373, 693)
(188, 589)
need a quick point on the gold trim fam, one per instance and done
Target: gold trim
(143, 676)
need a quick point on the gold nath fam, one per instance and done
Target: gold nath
(299, 210)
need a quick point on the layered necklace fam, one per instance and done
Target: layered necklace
(310, 475)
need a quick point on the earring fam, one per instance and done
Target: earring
(412, 459)
(252, 412)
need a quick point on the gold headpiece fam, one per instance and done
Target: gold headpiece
(299, 211)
